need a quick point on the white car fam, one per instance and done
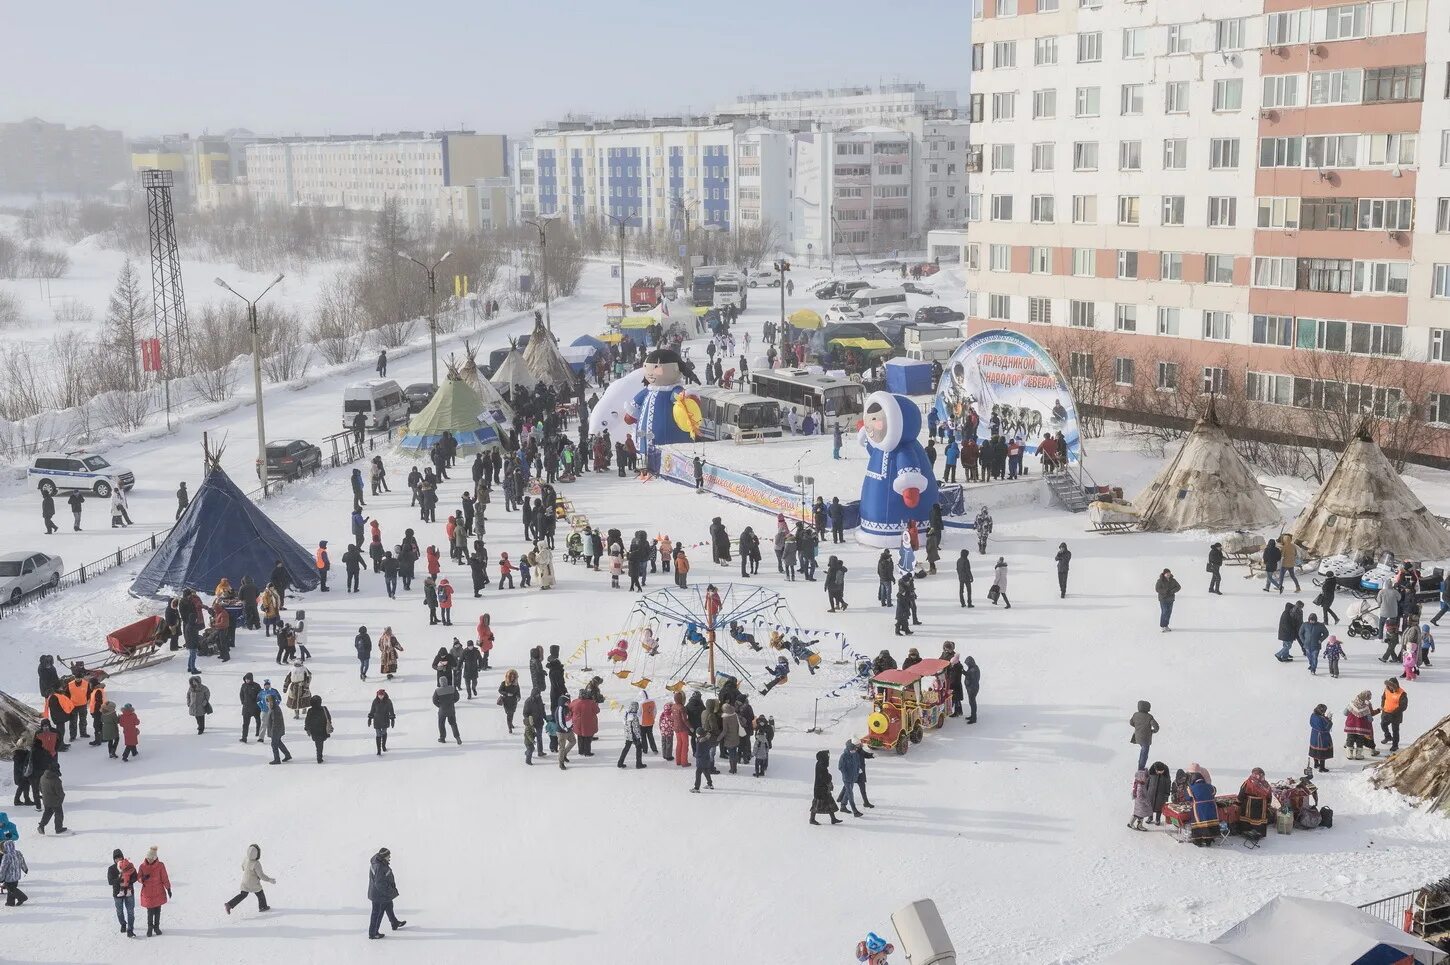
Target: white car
(892, 315)
(55, 471)
(764, 279)
(22, 573)
(843, 313)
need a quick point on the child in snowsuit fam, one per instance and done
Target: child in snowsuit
(616, 568)
(1334, 652)
(1142, 808)
(760, 748)
(529, 737)
(1427, 643)
(703, 766)
(130, 732)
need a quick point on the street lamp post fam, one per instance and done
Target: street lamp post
(542, 225)
(256, 372)
(620, 224)
(683, 206)
(432, 272)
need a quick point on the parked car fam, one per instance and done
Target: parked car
(892, 314)
(291, 458)
(841, 289)
(916, 288)
(764, 279)
(55, 471)
(842, 313)
(939, 313)
(22, 573)
(419, 394)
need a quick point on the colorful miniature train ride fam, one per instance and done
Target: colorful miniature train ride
(907, 703)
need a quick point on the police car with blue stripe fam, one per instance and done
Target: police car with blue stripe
(56, 471)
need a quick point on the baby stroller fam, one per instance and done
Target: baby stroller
(1365, 622)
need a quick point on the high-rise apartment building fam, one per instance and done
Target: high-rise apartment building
(40, 157)
(839, 108)
(1251, 197)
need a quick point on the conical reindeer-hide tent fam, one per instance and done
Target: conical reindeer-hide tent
(1421, 770)
(18, 723)
(1365, 507)
(1206, 485)
(544, 359)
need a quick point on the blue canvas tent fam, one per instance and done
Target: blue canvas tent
(223, 534)
(906, 376)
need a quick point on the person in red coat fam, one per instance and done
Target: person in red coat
(155, 890)
(586, 723)
(485, 638)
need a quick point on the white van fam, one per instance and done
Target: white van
(870, 299)
(380, 400)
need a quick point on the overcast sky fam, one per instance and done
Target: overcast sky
(365, 66)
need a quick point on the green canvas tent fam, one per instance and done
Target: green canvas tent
(455, 408)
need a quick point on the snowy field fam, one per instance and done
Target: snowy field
(1015, 826)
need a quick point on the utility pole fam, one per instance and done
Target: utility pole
(782, 266)
(256, 373)
(684, 207)
(542, 225)
(432, 272)
(623, 302)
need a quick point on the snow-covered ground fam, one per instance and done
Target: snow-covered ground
(1015, 826)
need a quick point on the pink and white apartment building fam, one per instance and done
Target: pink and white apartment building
(1236, 186)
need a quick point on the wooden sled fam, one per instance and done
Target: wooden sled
(133, 647)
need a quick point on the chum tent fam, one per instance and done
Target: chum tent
(223, 534)
(454, 408)
(512, 373)
(499, 412)
(1421, 770)
(1365, 507)
(18, 723)
(1207, 485)
(1323, 932)
(544, 360)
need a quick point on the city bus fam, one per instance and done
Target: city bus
(811, 393)
(724, 412)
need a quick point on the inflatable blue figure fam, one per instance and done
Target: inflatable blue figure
(654, 412)
(899, 484)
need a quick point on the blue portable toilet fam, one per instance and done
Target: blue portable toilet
(906, 376)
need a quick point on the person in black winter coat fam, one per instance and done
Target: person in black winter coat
(1063, 558)
(964, 578)
(445, 698)
(1160, 784)
(823, 800)
(862, 756)
(885, 577)
(250, 693)
(694, 712)
(1215, 563)
(317, 724)
(555, 668)
(472, 663)
(836, 583)
(380, 719)
(719, 541)
(1271, 557)
(1325, 599)
(47, 513)
(20, 769)
(363, 644)
(47, 676)
(382, 890)
(534, 712)
(972, 679)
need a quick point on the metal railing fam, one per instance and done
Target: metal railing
(1393, 908)
(344, 451)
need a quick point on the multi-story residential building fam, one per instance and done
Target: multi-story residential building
(37, 156)
(1252, 198)
(842, 108)
(437, 177)
(169, 152)
(939, 182)
(525, 190)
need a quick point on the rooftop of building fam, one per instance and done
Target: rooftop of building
(372, 138)
(912, 87)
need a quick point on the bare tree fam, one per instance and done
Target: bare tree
(218, 337)
(10, 311)
(284, 355)
(125, 315)
(23, 388)
(1085, 356)
(752, 243)
(336, 327)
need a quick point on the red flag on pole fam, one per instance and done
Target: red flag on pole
(151, 355)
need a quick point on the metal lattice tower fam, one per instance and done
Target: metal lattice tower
(168, 301)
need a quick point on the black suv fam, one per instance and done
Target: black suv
(291, 458)
(419, 394)
(939, 313)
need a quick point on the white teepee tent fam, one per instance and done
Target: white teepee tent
(1207, 485)
(513, 373)
(1364, 506)
(544, 359)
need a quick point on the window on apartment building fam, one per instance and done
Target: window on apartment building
(1381, 277)
(1384, 85)
(1130, 155)
(978, 9)
(1266, 387)
(1178, 40)
(974, 256)
(1082, 314)
(1084, 262)
(1089, 102)
(1228, 95)
(1044, 104)
(1217, 326)
(1170, 265)
(1135, 43)
(999, 308)
(1168, 318)
(1004, 157)
(1386, 214)
(1223, 153)
(1167, 376)
(1080, 365)
(1090, 47)
(1215, 380)
(974, 207)
(1344, 86)
(1129, 209)
(1327, 214)
(1173, 207)
(1044, 51)
(1273, 330)
(1001, 207)
(1085, 156)
(1440, 286)
(1347, 22)
(1393, 150)
(1334, 275)
(1442, 215)
(1004, 54)
(1043, 156)
(1047, 6)
(1290, 27)
(1043, 209)
(1125, 318)
(1229, 34)
(1367, 338)
(1040, 260)
(1123, 371)
(1039, 310)
(1175, 97)
(1006, 8)
(1084, 209)
(1004, 106)
(1222, 212)
(1175, 154)
(1127, 263)
(1281, 90)
(1275, 272)
(1440, 345)
(1130, 101)
(1281, 152)
(977, 109)
(1437, 410)
(1218, 269)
